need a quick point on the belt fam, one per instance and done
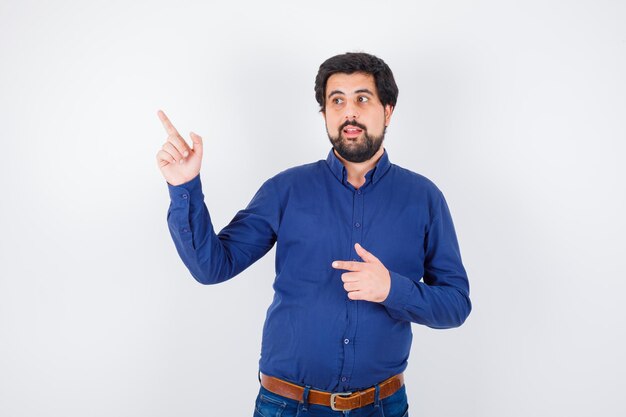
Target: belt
(340, 401)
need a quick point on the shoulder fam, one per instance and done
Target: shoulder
(416, 190)
(415, 182)
(297, 173)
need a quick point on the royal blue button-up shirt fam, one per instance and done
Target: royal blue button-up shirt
(313, 333)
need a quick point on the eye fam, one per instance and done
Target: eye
(363, 99)
(337, 100)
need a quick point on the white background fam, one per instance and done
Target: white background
(516, 110)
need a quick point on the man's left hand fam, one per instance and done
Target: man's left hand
(368, 280)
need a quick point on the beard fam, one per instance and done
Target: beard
(357, 149)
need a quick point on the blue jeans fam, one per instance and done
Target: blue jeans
(269, 404)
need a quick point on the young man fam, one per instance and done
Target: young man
(355, 235)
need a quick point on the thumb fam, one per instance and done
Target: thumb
(197, 143)
(365, 255)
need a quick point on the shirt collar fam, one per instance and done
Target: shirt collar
(339, 170)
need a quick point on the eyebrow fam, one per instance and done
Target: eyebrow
(360, 90)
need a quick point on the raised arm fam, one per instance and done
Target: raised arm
(212, 258)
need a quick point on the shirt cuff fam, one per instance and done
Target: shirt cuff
(399, 293)
(191, 189)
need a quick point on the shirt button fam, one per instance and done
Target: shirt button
(344, 379)
(346, 341)
(358, 191)
(185, 196)
(185, 230)
(357, 224)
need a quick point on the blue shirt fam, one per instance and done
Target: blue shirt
(313, 333)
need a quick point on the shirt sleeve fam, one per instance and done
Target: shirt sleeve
(212, 258)
(442, 300)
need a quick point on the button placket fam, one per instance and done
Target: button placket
(348, 345)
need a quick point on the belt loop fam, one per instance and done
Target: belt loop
(377, 396)
(305, 398)
(377, 401)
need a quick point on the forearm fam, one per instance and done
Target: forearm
(192, 231)
(436, 306)
(212, 258)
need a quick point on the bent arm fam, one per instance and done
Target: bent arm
(212, 258)
(442, 300)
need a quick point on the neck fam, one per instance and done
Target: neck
(357, 170)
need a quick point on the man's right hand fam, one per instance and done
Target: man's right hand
(177, 161)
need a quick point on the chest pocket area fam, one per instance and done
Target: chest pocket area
(303, 224)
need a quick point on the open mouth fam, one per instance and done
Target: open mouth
(352, 131)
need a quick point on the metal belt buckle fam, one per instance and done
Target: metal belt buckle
(332, 400)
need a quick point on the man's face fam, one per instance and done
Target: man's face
(355, 117)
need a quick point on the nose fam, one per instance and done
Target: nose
(352, 112)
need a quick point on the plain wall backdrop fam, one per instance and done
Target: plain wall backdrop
(516, 110)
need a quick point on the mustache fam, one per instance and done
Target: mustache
(352, 123)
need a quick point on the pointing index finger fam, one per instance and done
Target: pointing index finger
(169, 127)
(347, 265)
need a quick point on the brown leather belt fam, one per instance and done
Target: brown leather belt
(340, 401)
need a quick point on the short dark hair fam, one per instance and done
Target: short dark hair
(352, 62)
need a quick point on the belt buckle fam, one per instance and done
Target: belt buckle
(332, 400)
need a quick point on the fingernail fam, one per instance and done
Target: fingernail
(181, 161)
(186, 154)
(335, 264)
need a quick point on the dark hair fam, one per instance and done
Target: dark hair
(352, 62)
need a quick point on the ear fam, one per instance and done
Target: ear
(388, 113)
